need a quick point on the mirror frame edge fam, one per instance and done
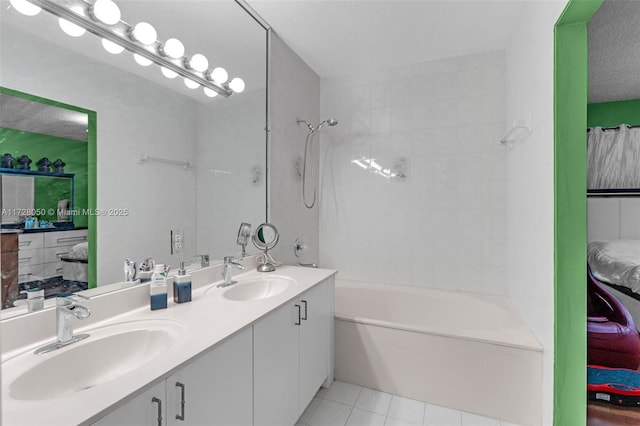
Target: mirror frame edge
(91, 170)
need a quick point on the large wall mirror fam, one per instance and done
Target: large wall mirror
(169, 160)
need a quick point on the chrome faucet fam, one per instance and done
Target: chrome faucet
(204, 259)
(66, 309)
(226, 273)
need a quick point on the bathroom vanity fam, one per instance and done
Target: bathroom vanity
(255, 352)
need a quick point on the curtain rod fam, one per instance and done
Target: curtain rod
(635, 126)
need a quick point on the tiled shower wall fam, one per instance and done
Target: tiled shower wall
(440, 222)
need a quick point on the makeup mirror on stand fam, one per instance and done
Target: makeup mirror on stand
(265, 238)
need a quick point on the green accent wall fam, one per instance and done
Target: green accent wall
(91, 173)
(47, 193)
(612, 114)
(570, 212)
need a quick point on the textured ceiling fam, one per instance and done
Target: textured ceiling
(21, 114)
(614, 51)
(337, 37)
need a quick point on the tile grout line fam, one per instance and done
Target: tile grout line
(353, 406)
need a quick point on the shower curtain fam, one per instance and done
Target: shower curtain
(613, 158)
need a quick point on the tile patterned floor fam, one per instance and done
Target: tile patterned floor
(344, 404)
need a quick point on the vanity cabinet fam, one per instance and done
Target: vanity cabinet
(291, 357)
(146, 409)
(213, 389)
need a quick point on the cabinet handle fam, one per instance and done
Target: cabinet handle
(182, 401)
(59, 255)
(305, 309)
(70, 239)
(298, 323)
(154, 399)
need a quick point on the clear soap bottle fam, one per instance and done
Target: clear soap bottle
(182, 286)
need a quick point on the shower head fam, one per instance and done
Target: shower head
(330, 122)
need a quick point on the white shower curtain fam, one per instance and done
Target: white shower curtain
(613, 158)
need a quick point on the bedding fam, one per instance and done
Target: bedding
(616, 262)
(79, 251)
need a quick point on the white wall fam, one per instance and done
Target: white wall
(295, 92)
(530, 206)
(133, 116)
(444, 226)
(231, 172)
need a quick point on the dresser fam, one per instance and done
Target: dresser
(40, 253)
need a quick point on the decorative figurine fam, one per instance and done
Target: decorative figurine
(43, 165)
(59, 166)
(6, 161)
(24, 163)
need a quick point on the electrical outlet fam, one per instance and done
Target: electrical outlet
(177, 241)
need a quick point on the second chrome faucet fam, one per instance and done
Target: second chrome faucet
(229, 262)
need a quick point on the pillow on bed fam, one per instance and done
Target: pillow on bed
(79, 251)
(616, 262)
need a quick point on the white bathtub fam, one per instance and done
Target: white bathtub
(466, 351)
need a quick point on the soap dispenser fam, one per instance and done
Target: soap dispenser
(182, 286)
(158, 288)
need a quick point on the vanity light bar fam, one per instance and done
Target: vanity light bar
(119, 34)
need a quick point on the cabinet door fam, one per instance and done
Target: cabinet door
(275, 367)
(216, 387)
(314, 342)
(146, 409)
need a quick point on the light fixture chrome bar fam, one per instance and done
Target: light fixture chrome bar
(85, 21)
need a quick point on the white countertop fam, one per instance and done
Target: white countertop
(208, 320)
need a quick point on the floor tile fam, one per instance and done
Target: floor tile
(308, 412)
(344, 393)
(321, 392)
(434, 415)
(360, 417)
(469, 419)
(397, 422)
(408, 410)
(373, 400)
(329, 413)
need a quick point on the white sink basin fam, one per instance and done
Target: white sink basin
(108, 353)
(258, 288)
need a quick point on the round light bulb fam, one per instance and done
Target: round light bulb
(141, 60)
(25, 7)
(198, 62)
(210, 93)
(190, 83)
(173, 48)
(237, 85)
(168, 73)
(70, 28)
(106, 11)
(111, 47)
(144, 33)
(219, 75)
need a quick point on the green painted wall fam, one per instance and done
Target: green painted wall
(36, 146)
(570, 213)
(612, 114)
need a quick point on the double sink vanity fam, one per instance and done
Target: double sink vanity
(253, 353)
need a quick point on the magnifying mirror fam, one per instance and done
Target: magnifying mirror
(265, 238)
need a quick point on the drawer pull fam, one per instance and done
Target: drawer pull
(182, 401)
(159, 402)
(24, 243)
(305, 310)
(59, 255)
(71, 239)
(59, 270)
(299, 310)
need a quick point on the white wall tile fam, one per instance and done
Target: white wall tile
(455, 179)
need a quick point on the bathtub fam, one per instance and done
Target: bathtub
(467, 351)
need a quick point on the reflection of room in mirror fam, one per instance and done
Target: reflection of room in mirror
(139, 110)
